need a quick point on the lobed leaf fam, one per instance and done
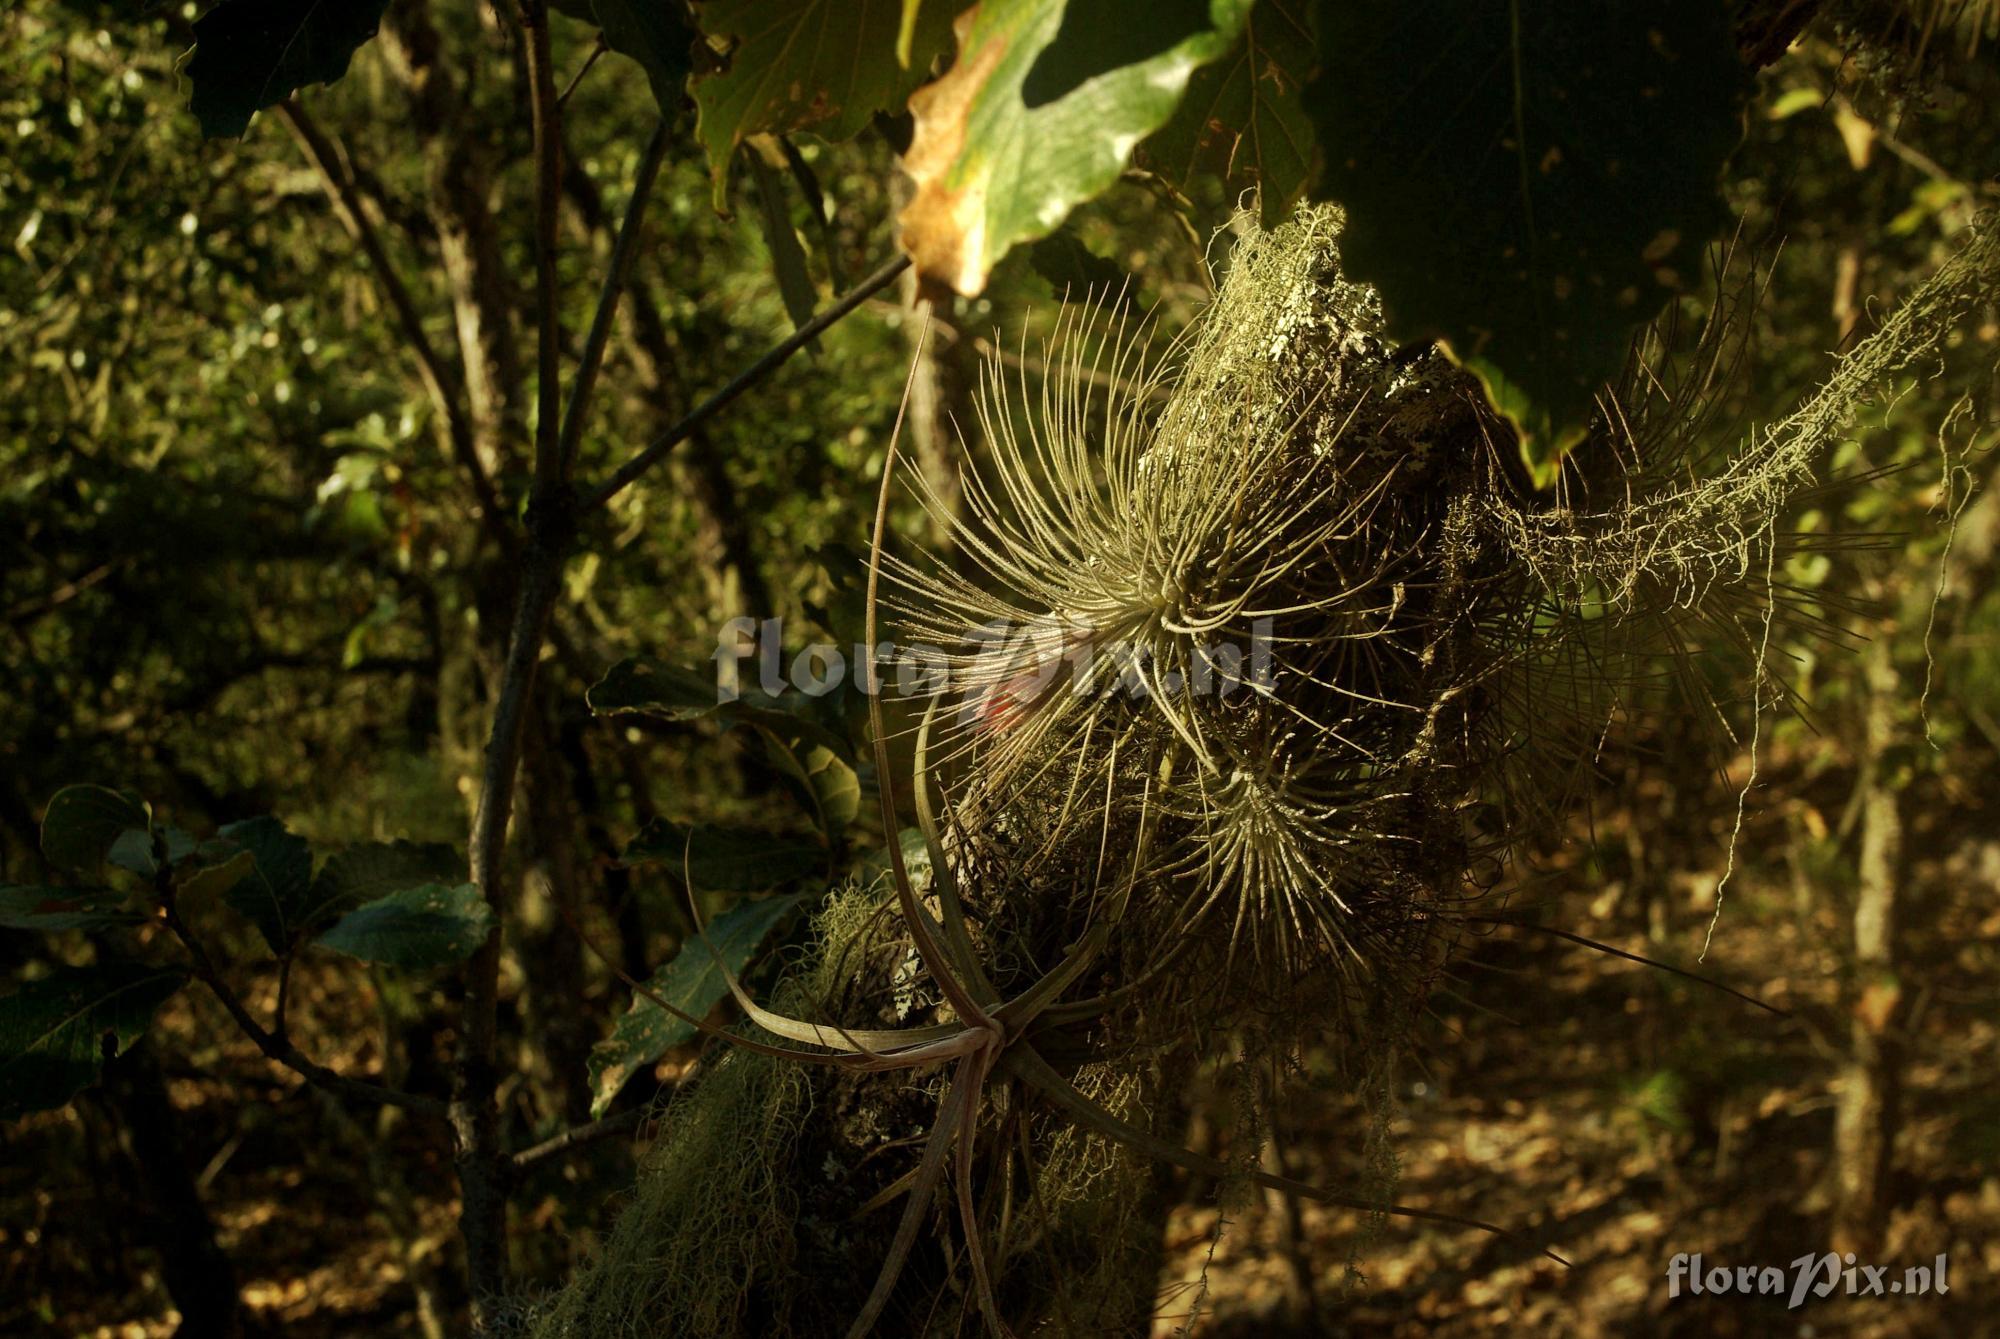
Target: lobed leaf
(253, 54)
(827, 66)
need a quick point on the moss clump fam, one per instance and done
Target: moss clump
(707, 1243)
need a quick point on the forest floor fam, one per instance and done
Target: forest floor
(1622, 1116)
(1617, 1114)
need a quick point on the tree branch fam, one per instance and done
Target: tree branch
(707, 482)
(440, 380)
(548, 205)
(578, 1136)
(457, 152)
(482, 1161)
(274, 1047)
(655, 450)
(622, 251)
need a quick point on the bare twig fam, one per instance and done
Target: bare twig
(61, 595)
(440, 380)
(578, 1136)
(597, 49)
(622, 251)
(652, 453)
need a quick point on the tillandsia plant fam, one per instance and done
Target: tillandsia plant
(1142, 850)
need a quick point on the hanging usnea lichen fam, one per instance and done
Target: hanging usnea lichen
(1259, 664)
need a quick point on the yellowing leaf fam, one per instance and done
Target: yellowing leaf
(821, 65)
(1037, 116)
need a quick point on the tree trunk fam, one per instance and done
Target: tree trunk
(1870, 1082)
(199, 1276)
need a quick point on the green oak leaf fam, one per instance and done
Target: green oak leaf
(1098, 36)
(361, 874)
(433, 925)
(179, 843)
(275, 889)
(693, 983)
(132, 850)
(218, 868)
(727, 860)
(827, 66)
(1527, 182)
(83, 824)
(1242, 119)
(659, 690)
(56, 1033)
(681, 695)
(1006, 144)
(656, 34)
(252, 54)
(829, 782)
(25, 907)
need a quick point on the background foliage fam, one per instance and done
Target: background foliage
(251, 570)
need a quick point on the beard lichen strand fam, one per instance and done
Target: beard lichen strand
(1668, 545)
(1293, 861)
(1624, 596)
